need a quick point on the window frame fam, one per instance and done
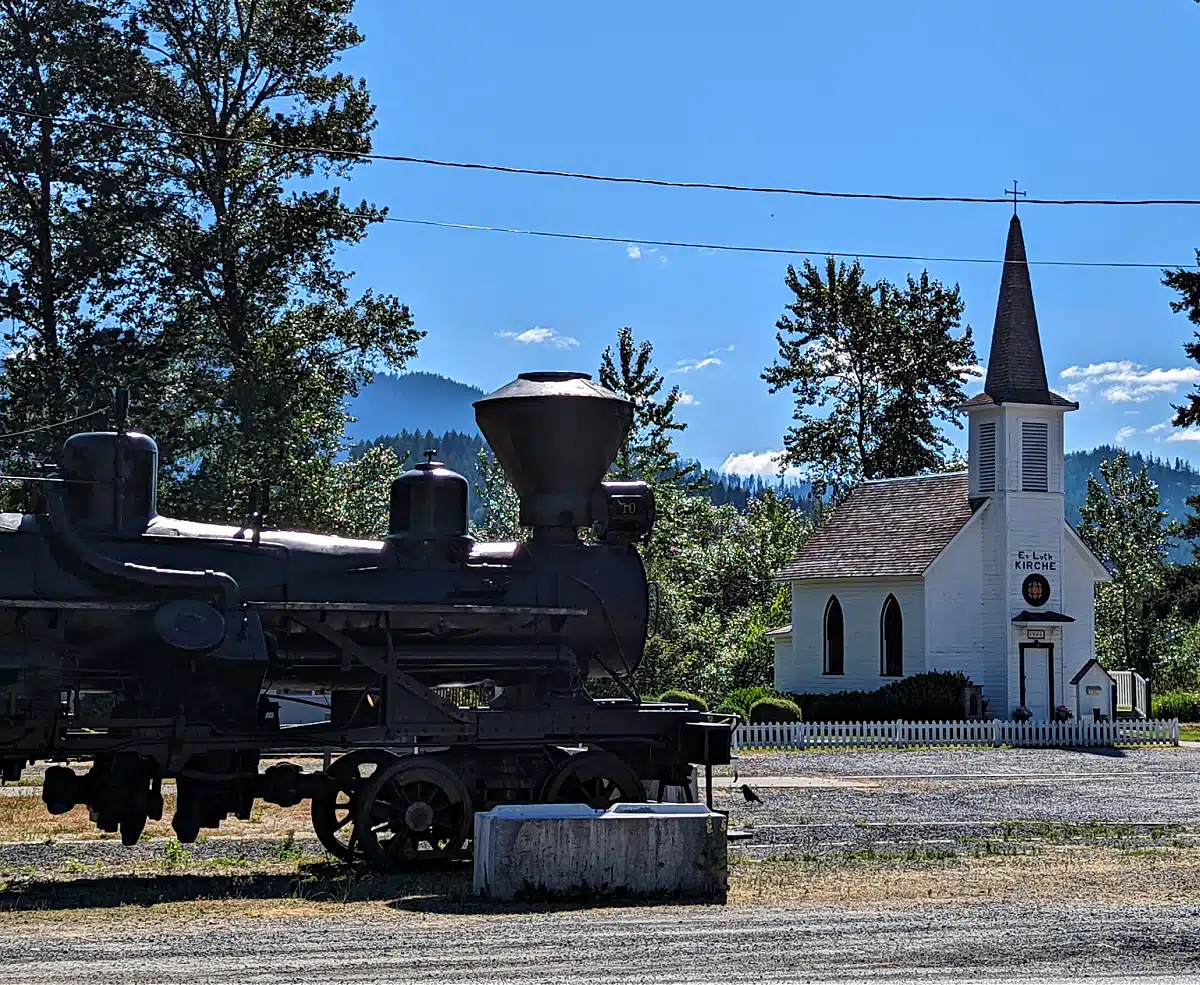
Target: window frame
(884, 650)
(826, 662)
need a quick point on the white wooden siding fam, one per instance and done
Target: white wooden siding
(955, 597)
(801, 670)
(1079, 593)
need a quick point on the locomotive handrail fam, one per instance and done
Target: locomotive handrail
(140, 574)
(438, 607)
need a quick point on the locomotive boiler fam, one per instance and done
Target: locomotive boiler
(149, 647)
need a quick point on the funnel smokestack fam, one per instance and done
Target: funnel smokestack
(555, 434)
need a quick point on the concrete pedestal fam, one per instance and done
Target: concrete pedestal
(570, 851)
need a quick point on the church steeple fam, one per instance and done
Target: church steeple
(1016, 372)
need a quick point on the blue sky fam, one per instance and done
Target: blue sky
(1075, 99)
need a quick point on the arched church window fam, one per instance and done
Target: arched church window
(891, 635)
(835, 638)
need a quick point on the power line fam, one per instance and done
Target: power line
(781, 251)
(51, 427)
(586, 176)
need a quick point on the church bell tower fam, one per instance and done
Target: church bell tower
(1015, 464)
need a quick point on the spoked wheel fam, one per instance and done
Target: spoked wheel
(415, 810)
(598, 779)
(335, 811)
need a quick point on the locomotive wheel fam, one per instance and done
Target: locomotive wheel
(596, 778)
(415, 810)
(335, 812)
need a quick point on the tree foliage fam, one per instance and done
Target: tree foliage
(647, 453)
(76, 202)
(874, 370)
(1122, 524)
(262, 340)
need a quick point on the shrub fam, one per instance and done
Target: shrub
(740, 701)
(693, 701)
(775, 710)
(932, 697)
(1184, 705)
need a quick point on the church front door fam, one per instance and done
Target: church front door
(1037, 679)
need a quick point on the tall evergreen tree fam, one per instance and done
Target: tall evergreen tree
(647, 453)
(1122, 524)
(1186, 283)
(76, 203)
(873, 369)
(263, 339)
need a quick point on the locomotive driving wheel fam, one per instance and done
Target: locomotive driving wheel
(415, 810)
(335, 812)
(596, 778)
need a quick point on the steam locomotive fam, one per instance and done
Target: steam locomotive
(150, 647)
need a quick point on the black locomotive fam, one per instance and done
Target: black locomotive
(150, 647)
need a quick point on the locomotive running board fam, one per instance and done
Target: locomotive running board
(421, 607)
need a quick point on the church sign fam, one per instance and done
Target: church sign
(1035, 561)
(1036, 578)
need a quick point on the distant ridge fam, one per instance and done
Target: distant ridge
(412, 401)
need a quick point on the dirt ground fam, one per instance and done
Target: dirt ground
(869, 868)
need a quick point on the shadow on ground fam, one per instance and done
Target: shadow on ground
(444, 890)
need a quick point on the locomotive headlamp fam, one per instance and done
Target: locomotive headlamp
(624, 511)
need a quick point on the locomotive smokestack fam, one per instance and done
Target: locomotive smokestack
(555, 434)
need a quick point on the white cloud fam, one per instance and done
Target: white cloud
(1096, 369)
(633, 252)
(687, 399)
(1123, 394)
(538, 336)
(1160, 426)
(1125, 434)
(1131, 383)
(1187, 434)
(691, 365)
(753, 463)
(970, 372)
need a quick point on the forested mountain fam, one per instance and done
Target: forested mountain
(438, 410)
(1176, 481)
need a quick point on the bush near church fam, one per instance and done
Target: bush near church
(740, 700)
(774, 710)
(693, 701)
(1182, 705)
(932, 697)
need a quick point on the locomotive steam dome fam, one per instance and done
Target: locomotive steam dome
(429, 502)
(555, 435)
(112, 481)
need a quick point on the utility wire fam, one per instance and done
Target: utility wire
(725, 247)
(585, 176)
(51, 427)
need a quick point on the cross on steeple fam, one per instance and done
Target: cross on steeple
(1014, 193)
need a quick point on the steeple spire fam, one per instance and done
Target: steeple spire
(1016, 372)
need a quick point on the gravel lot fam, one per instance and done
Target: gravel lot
(659, 944)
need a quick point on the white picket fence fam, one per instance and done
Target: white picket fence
(818, 735)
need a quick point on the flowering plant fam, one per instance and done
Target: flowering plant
(1062, 714)
(1022, 714)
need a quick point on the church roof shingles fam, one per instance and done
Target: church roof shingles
(892, 528)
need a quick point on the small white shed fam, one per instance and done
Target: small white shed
(1093, 691)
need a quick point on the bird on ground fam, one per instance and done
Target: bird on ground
(750, 795)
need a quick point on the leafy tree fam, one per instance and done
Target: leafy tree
(1122, 523)
(500, 504)
(262, 341)
(647, 453)
(873, 369)
(75, 204)
(1186, 283)
(362, 492)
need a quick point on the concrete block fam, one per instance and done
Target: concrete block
(540, 851)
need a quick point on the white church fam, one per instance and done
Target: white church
(974, 571)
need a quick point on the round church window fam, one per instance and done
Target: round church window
(1036, 590)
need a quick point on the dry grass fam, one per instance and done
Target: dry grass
(221, 891)
(26, 819)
